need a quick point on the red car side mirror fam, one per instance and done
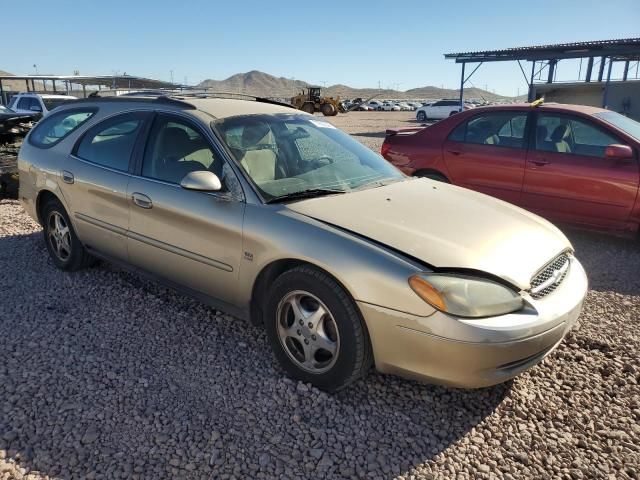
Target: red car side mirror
(618, 152)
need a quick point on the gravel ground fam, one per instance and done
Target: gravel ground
(104, 375)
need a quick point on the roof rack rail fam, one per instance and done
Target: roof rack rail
(230, 95)
(149, 96)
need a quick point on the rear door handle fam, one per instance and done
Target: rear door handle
(540, 162)
(454, 152)
(67, 177)
(141, 200)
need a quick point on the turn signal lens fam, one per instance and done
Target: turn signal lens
(427, 292)
(385, 149)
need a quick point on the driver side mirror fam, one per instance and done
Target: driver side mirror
(618, 152)
(201, 180)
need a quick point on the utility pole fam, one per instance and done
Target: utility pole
(171, 73)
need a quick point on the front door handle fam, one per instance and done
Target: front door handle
(141, 200)
(67, 177)
(454, 152)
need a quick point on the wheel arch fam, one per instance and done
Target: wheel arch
(273, 270)
(41, 200)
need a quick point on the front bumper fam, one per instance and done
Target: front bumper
(474, 353)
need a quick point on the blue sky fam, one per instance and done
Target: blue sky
(397, 43)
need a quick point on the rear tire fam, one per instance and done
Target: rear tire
(433, 176)
(421, 117)
(63, 245)
(306, 310)
(309, 108)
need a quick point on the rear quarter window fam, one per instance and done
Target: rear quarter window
(52, 129)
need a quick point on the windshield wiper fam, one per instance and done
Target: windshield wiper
(380, 183)
(310, 193)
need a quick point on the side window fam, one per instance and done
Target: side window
(111, 142)
(437, 104)
(562, 134)
(54, 128)
(24, 103)
(457, 135)
(174, 149)
(35, 105)
(501, 129)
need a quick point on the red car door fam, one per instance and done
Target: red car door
(487, 153)
(569, 179)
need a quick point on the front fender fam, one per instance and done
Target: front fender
(370, 273)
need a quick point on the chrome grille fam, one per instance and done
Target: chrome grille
(550, 277)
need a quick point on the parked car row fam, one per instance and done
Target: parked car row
(279, 217)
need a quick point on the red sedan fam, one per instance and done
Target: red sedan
(569, 163)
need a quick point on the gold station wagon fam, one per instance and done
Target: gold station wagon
(276, 216)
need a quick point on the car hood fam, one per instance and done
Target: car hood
(445, 226)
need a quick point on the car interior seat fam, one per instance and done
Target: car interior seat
(558, 138)
(487, 133)
(259, 159)
(174, 146)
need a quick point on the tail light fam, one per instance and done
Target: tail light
(385, 149)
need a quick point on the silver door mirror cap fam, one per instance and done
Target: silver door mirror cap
(202, 180)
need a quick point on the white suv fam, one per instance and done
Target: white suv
(439, 110)
(30, 103)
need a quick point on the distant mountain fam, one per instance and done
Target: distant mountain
(265, 85)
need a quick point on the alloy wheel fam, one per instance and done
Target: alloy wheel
(308, 332)
(59, 236)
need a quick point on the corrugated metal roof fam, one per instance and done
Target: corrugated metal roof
(620, 49)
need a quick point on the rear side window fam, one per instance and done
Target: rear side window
(54, 128)
(110, 143)
(498, 129)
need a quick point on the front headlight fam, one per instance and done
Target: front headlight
(465, 296)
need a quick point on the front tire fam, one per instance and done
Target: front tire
(315, 329)
(328, 110)
(63, 245)
(422, 117)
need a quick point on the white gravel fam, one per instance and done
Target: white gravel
(104, 375)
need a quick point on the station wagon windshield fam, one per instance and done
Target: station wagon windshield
(289, 153)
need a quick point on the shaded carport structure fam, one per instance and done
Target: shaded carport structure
(597, 56)
(61, 84)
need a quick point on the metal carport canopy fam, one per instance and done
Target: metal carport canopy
(622, 49)
(112, 81)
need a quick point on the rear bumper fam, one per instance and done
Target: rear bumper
(474, 353)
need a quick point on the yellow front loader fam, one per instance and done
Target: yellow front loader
(311, 101)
